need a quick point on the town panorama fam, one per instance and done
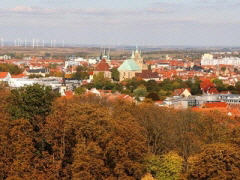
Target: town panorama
(119, 90)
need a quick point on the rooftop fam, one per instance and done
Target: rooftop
(129, 64)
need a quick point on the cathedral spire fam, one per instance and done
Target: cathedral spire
(133, 56)
(137, 49)
(100, 57)
(104, 51)
(109, 53)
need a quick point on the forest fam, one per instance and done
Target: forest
(45, 136)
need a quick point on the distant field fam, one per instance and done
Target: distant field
(83, 52)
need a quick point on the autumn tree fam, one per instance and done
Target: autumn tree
(20, 158)
(237, 86)
(95, 144)
(12, 69)
(165, 167)
(217, 161)
(158, 123)
(153, 96)
(186, 137)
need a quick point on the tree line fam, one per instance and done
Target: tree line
(138, 87)
(44, 136)
(12, 69)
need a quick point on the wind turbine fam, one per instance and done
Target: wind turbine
(63, 43)
(33, 44)
(25, 43)
(37, 42)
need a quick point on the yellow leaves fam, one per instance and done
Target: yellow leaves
(165, 167)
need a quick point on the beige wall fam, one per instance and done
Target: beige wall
(127, 74)
(107, 74)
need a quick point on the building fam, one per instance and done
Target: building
(207, 59)
(103, 67)
(5, 77)
(208, 87)
(128, 69)
(131, 66)
(184, 92)
(148, 75)
(41, 72)
(176, 102)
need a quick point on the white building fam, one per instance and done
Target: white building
(5, 57)
(92, 61)
(207, 59)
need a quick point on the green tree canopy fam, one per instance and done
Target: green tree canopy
(80, 90)
(141, 91)
(31, 102)
(115, 74)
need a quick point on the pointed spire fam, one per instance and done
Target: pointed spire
(104, 51)
(136, 49)
(109, 53)
(133, 56)
(100, 56)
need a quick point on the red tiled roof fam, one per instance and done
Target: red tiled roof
(213, 91)
(18, 76)
(147, 74)
(206, 85)
(102, 66)
(69, 94)
(226, 92)
(3, 74)
(215, 104)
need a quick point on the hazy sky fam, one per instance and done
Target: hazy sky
(129, 22)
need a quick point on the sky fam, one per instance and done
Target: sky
(123, 22)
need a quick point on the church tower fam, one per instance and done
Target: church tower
(139, 59)
(104, 54)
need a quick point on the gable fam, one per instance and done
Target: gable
(102, 66)
(3, 74)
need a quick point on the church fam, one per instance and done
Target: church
(104, 65)
(131, 66)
